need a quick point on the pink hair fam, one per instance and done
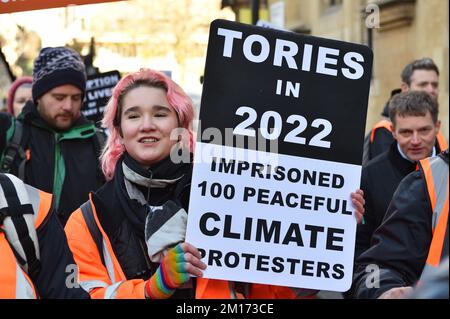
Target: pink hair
(12, 91)
(176, 97)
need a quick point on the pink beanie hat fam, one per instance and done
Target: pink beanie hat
(12, 91)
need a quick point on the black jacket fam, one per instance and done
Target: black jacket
(79, 148)
(57, 277)
(400, 245)
(379, 180)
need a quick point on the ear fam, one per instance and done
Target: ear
(393, 131)
(404, 87)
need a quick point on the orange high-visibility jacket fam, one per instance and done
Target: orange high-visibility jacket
(107, 281)
(14, 281)
(435, 172)
(381, 124)
(441, 141)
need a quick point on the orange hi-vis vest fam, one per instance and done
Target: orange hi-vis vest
(441, 141)
(435, 172)
(14, 280)
(381, 124)
(106, 279)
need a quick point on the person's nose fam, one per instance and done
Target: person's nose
(148, 124)
(431, 90)
(415, 139)
(67, 104)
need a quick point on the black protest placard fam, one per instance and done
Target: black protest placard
(98, 91)
(278, 153)
(332, 78)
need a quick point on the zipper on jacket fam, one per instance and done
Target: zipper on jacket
(147, 262)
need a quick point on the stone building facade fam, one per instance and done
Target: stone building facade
(398, 31)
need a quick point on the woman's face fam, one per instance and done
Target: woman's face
(147, 120)
(21, 96)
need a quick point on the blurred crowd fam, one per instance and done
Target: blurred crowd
(89, 212)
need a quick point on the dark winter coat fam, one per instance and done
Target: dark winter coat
(58, 268)
(400, 245)
(379, 180)
(62, 163)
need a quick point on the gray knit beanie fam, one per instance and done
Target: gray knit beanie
(55, 67)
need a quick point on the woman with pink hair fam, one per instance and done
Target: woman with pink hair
(18, 94)
(128, 240)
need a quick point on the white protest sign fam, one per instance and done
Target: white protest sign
(278, 154)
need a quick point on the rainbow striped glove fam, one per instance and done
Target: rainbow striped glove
(170, 275)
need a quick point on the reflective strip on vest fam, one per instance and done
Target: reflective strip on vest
(24, 288)
(108, 262)
(14, 283)
(88, 285)
(383, 123)
(41, 205)
(436, 176)
(111, 291)
(19, 284)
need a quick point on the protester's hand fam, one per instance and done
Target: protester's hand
(177, 265)
(396, 293)
(358, 203)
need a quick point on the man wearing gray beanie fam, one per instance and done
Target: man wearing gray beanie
(57, 66)
(51, 145)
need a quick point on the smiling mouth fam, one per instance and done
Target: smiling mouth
(148, 140)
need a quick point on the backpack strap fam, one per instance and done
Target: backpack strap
(88, 215)
(18, 220)
(14, 149)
